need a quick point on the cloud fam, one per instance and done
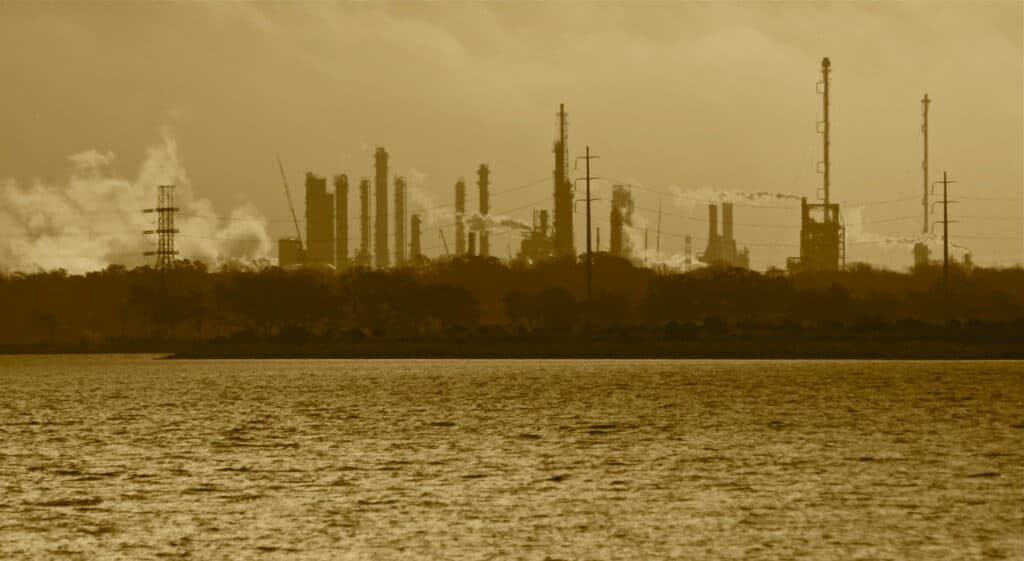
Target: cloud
(95, 219)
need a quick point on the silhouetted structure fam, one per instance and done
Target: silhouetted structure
(341, 221)
(400, 221)
(563, 236)
(924, 164)
(687, 253)
(822, 236)
(721, 249)
(922, 255)
(483, 183)
(414, 238)
(165, 229)
(319, 222)
(363, 257)
(471, 238)
(460, 218)
(291, 209)
(380, 240)
(620, 219)
(289, 252)
(537, 244)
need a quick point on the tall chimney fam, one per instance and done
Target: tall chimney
(364, 223)
(544, 223)
(399, 221)
(472, 244)
(341, 222)
(319, 221)
(414, 243)
(563, 235)
(712, 222)
(380, 223)
(460, 218)
(484, 182)
(727, 221)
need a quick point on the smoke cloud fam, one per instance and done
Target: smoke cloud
(423, 203)
(495, 223)
(95, 219)
(855, 234)
(707, 194)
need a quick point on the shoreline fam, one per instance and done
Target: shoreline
(503, 349)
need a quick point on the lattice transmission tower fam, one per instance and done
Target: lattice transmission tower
(165, 229)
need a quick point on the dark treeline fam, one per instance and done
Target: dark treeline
(477, 295)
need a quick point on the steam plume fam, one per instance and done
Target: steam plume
(707, 194)
(94, 219)
(496, 223)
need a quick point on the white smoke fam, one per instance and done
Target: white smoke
(855, 234)
(423, 203)
(652, 256)
(95, 219)
(495, 223)
(708, 194)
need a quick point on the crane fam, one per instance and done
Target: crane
(288, 194)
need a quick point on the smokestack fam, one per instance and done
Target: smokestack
(364, 223)
(341, 221)
(712, 222)
(622, 215)
(484, 182)
(727, 221)
(319, 221)
(414, 243)
(564, 245)
(380, 224)
(544, 223)
(472, 244)
(400, 221)
(460, 218)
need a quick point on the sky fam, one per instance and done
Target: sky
(685, 101)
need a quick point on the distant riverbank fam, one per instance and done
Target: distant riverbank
(1006, 342)
(598, 349)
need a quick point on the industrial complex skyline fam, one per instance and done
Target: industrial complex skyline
(689, 105)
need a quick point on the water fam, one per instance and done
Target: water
(132, 458)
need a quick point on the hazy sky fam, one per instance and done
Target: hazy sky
(696, 96)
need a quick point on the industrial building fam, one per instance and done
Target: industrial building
(483, 184)
(319, 222)
(380, 223)
(537, 244)
(460, 218)
(400, 200)
(721, 250)
(822, 235)
(362, 258)
(621, 219)
(415, 253)
(564, 245)
(341, 222)
(289, 252)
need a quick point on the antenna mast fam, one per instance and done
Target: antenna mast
(825, 71)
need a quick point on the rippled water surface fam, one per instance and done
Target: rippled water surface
(134, 458)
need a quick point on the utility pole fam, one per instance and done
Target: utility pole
(588, 157)
(924, 164)
(945, 229)
(657, 236)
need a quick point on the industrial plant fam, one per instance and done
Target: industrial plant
(550, 235)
